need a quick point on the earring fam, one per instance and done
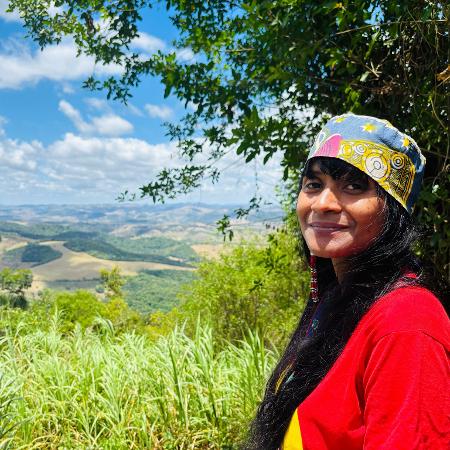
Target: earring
(314, 284)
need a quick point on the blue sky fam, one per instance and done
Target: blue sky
(60, 143)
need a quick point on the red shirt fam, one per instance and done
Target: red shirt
(389, 388)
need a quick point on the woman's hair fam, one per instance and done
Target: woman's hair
(369, 275)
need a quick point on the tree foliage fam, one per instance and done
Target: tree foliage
(267, 73)
(112, 281)
(14, 283)
(259, 286)
(81, 308)
(156, 290)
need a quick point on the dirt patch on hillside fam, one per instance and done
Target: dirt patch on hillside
(208, 251)
(82, 266)
(12, 242)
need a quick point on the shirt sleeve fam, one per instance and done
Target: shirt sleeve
(406, 393)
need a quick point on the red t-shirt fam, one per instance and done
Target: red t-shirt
(389, 388)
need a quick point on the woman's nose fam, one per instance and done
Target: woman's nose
(327, 200)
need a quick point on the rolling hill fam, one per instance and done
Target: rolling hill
(156, 247)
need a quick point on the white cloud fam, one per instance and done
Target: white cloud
(75, 116)
(97, 103)
(15, 154)
(105, 165)
(134, 110)
(90, 168)
(67, 89)
(77, 168)
(19, 155)
(6, 16)
(156, 111)
(110, 151)
(108, 166)
(106, 125)
(3, 122)
(111, 125)
(185, 55)
(147, 43)
(57, 63)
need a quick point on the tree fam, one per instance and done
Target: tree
(269, 72)
(116, 308)
(112, 281)
(83, 308)
(258, 285)
(15, 282)
(80, 306)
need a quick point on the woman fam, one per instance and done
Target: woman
(367, 366)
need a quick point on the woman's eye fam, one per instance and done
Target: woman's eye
(354, 187)
(310, 185)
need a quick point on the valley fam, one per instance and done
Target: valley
(156, 247)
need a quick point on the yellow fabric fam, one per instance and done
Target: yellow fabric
(394, 171)
(293, 438)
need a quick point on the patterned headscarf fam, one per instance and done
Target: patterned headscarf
(377, 148)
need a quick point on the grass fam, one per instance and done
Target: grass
(99, 390)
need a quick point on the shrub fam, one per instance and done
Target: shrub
(261, 287)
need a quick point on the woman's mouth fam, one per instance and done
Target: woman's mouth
(327, 227)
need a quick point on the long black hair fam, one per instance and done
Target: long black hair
(369, 275)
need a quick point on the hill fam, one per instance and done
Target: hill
(102, 249)
(155, 246)
(29, 255)
(193, 223)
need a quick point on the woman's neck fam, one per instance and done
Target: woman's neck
(339, 265)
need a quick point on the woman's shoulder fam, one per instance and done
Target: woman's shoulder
(408, 309)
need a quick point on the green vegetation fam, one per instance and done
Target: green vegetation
(78, 372)
(112, 282)
(73, 234)
(266, 74)
(13, 284)
(102, 249)
(81, 308)
(30, 255)
(32, 231)
(154, 290)
(39, 254)
(99, 390)
(45, 231)
(162, 246)
(73, 285)
(261, 287)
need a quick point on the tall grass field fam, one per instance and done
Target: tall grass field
(93, 389)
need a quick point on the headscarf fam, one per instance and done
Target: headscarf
(377, 148)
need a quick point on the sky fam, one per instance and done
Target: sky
(62, 144)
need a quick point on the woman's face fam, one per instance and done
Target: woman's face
(338, 217)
